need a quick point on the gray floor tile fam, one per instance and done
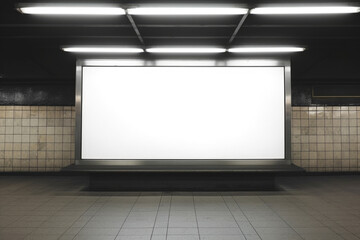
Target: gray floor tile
(255, 218)
(223, 237)
(287, 236)
(183, 231)
(95, 237)
(274, 223)
(158, 237)
(303, 222)
(307, 208)
(220, 231)
(183, 237)
(99, 231)
(55, 224)
(310, 236)
(12, 236)
(16, 230)
(135, 231)
(42, 237)
(159, 231)
(178, 223)
(138, 223)
(51, 230)
(27, 224)
(136, 237)
(313, 230)
(72, 231)
(104, 224)
(349, 236)
(252, 237)
(274, 230)
(7, 220)
(246, 228)
(67, 237)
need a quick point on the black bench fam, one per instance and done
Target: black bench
(184, 178)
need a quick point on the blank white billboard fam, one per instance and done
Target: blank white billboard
(183, 113)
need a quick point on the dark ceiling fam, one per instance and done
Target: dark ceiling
(44, 31)
(34, 41)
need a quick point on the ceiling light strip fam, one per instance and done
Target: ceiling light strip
(176, 11)
(306, 10)
(186, 50)
(72, 10)
(266, 49)
(102, 50)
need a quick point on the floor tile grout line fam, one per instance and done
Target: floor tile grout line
(78, 217)
(196, 218)
(302, 203)
(306, 205)
(132, 207)
(233, 215)
(70, 204)
(99, 197)
(34, 229)
(335, 206)
(280, 217)
(168, 222)
(246, 217)
(157, 213)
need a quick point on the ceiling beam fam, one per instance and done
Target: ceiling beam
(175, 26)
(133, 24)
(175, 37)
(117, 25)
(241, 22)
(300, 26)
(9, 25)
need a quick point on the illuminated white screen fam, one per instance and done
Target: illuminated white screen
(183, 113)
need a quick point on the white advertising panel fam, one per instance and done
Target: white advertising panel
(183, 113)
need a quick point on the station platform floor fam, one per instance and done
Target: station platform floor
(61, 207)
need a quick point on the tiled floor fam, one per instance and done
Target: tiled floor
(59, 208)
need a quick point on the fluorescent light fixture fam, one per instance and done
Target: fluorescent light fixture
(186, 50)
(102, 50)
(306, 10)
(115, 62)
(170, 11)
(73, 10)
(170, 62)
(266, 49)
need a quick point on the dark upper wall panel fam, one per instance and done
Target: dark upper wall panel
(41, 76)
(34, 63)
(34, 71)
(47, 76)
(37, 95)
(326, 64)
(333, 70)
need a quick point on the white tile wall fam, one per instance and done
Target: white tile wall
(42, 138)
(36, 138)
(326, 139)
